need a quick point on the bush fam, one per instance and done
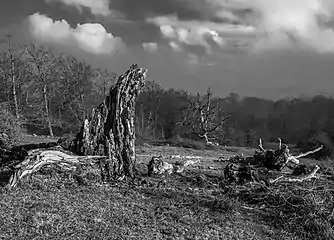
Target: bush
(11, 128)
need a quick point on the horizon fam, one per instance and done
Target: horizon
(277, 50)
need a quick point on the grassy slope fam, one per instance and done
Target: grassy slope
(188, 206)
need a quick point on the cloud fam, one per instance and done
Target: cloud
(285, 23)
(150, 47)
(97, 7)
(176, 47)
(90, 37)
(199, 33)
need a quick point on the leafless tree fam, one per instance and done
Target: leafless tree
(102, 82)
(74, 85)
(42, 65)
(205, 116)
(12, 69)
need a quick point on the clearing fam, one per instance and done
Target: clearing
(192, 205)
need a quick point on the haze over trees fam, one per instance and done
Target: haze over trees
(52, 94)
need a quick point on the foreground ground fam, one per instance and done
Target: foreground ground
(191, 205)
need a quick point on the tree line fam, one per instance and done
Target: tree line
(53, 93)
(49, 92)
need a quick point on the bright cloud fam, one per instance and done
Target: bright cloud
(90, 37)
(97, 7)
(176, 47)
(150, 47)
(282, 22)
(196, 33)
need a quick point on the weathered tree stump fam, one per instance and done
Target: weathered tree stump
(110, 129)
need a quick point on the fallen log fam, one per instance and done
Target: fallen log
(44, 158)
(12, 156)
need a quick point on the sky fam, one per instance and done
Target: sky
(266, 48)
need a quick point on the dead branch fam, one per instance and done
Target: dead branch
(260, 145)
(279, 143)
(309, 152)
(40, 158)
(290, 179)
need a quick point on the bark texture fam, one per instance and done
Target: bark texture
(110, 129)
(43, 158)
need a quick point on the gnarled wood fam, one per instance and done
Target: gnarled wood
(158, 166)
(39, 158)
(278, 159)
(110, 129)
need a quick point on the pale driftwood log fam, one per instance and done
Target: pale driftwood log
(158, 166)
(110, 129)
(40, 158)
(296, 179)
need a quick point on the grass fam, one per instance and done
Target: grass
(46, 208)
(199, 204)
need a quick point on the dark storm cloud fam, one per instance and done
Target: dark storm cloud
(16, 11)
(140, 10)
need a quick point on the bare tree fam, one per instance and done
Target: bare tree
(148, 121)
(42, 65)
(74, 85)
(102, 82)
(205, 116)
(12, 68)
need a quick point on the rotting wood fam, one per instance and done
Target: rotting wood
(248, 168)
(158, 166)
(278, 159)
(110, 129)
(41, 158)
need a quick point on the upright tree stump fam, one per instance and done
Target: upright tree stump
(110, 129)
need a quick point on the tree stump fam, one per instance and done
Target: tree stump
(110, 129)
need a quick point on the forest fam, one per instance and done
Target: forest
(46, 93)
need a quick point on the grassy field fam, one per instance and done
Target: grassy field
(193, 205)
